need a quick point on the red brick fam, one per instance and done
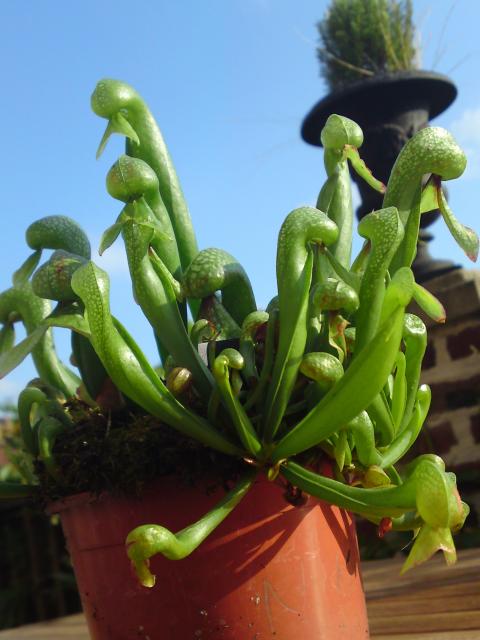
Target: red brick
(430, 357)
(475, 427)
(463, 344)
(455, 394)
(442, 437)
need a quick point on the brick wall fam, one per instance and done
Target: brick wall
(452, 369)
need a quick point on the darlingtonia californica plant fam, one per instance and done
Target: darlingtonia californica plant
(330, 369)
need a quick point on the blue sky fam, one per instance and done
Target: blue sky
(229, 83)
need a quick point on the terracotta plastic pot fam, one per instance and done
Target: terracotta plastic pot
(270, 570)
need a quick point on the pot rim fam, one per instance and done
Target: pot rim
(85, 497)
(68, 502)
(433, 90)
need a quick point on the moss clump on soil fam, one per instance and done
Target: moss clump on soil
(120, 452)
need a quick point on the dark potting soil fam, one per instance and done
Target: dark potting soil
(121, 452)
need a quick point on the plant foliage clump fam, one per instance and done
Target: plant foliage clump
(331, 368)
(364, 38)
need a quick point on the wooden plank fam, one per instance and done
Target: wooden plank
(424, 622)
(445, 635)
(384, 575)
(431, 599)
(69, 628)
(430, 592)
(418, 604)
